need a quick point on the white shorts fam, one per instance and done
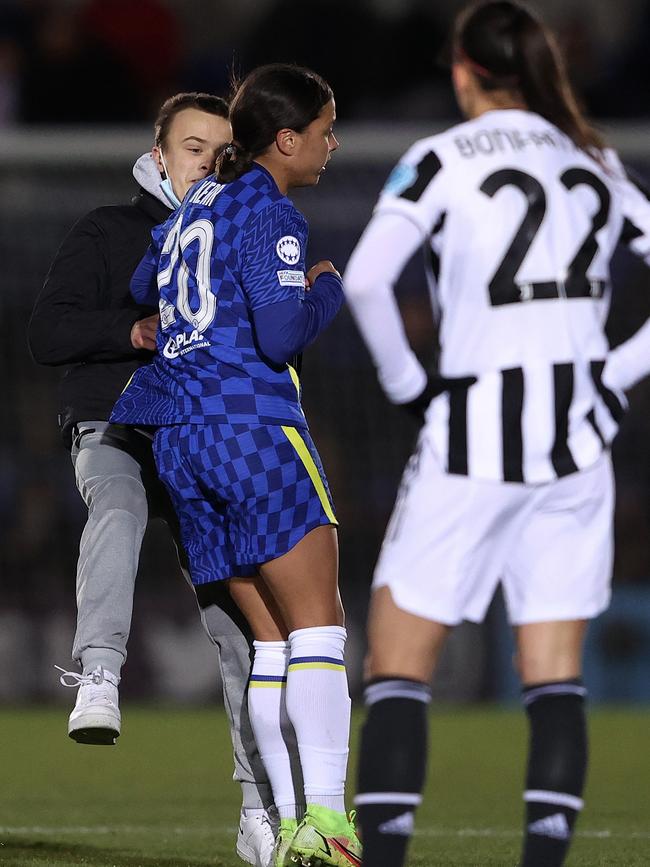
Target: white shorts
(451, 539)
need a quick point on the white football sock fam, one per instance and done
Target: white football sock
(318, 703)
(274, 734)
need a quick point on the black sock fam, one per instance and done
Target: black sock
(557, 765)
(392, 767)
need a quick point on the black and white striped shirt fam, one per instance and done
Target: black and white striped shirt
(520, 227)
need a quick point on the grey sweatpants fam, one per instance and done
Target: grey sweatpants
(116, 476)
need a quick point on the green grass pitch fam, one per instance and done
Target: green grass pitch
(163, 796)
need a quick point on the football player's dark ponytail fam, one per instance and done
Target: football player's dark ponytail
(232, 162)
(271, 98)
(508, 48)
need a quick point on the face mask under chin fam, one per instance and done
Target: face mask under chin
(170, 195)
(167, 188)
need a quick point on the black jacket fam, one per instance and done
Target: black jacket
(85, 312)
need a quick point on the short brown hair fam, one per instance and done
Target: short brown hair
(172, 106)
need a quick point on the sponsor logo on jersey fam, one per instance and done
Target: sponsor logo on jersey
(167, 314)
(291, 278)
(184, 343)
(288, 249)
(400, 179)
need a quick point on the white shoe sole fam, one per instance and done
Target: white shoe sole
(95, 727)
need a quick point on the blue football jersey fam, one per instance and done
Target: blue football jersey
(229, 250)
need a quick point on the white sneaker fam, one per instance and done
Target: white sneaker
(256, 839)
(95, 718)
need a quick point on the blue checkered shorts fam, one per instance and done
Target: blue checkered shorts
(244, 494)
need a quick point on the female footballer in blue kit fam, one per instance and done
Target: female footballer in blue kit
(232, 444)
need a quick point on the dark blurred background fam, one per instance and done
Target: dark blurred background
(80, 82)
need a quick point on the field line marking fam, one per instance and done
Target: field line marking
(232, 829)
(503, 832)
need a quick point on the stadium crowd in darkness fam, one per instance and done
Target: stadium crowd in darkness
(111, 61)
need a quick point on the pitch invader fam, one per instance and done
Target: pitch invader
(519, 211)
